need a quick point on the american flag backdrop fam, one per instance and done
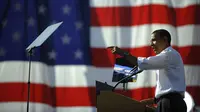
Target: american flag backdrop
(64, 69)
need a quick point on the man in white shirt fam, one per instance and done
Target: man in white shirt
(169, 68)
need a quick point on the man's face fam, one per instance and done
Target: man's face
(157, 43)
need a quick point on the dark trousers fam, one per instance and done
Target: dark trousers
(172, 102)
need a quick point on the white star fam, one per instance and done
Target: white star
(78, 25)
(66, 9)
(66, 39)
(4, 23)
(78, 54)
(52, 55)
(31, 22)
(42, 9)
(16, 36)
(17, 6)
(2, 52)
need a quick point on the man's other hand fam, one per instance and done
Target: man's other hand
(117, 50)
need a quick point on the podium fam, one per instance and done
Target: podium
(109, 101)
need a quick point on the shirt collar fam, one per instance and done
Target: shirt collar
(166, 49)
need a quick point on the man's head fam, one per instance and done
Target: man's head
(160, 39)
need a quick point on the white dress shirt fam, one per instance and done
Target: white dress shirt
(169, 69)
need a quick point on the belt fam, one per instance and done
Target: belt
(169, 95)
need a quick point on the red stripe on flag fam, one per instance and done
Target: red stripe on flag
(189, 55)
(194, 91)
(146, 14)
(71, 96)
(59, 96)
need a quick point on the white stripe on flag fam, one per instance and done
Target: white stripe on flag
(139, 36)
(79, 76)
(116, 3)
(39, 107)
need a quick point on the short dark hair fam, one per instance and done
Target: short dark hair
(163, 33)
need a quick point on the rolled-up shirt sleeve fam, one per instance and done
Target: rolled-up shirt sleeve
(154, 62)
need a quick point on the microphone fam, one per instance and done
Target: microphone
(125, 78)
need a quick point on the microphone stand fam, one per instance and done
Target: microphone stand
(125, 86)
(125, 78)
(30, 52)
